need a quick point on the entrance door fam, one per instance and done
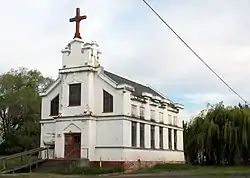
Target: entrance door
(72, 145)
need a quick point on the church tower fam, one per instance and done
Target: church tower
(80, 64)
(79, 53)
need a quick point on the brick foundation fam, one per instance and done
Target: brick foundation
(132, 165)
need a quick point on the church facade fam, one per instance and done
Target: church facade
(94, 114)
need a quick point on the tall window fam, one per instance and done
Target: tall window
(152, 114)
(107, 102)
(175, 120)
(142, 135)
(170, 139)
(75, 94)
(142, 112)
(152, 136)
(161, 137)
(175, 139)
(54, 106)
(161, 117)
(170, 119)
(133, 134)
(133, 110)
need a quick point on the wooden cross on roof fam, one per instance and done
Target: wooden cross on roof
(78, 19)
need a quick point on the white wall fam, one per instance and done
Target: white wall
(108, 154)
(70, 79)
(76, 125)
(153, 155)
(101, 85)
(92, 87)
(109, 132)
(47, 135)
(147, 139)
(127, 154)
(79, 54)
(148, 107)
(45, 110)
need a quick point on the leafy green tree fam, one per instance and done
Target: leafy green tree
(20, 109)
(218, 136)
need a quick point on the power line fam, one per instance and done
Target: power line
(217, 75)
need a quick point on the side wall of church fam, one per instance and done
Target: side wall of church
(45, 110)
(101, 85)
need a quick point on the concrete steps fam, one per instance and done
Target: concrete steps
(55, 165)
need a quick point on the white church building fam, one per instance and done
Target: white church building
(94, 114)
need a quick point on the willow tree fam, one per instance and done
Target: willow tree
(218, 136)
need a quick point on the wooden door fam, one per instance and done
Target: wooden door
(72, 145)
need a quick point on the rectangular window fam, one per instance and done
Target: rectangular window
(54, 106)
(175, 139)
(133, 110)
(175, 120)
(161, 137)
(142, 112)
(161, 117)
(142, 135)
(170, 119)
(170, 139)
(75, 94)
(152, 136)
(107, 102)
(152, 114)
(133, 134)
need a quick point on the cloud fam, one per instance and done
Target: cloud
(137, 45)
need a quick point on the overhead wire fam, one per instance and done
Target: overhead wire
(195, 53)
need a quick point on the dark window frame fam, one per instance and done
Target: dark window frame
(175, 139)
(75, 94)
(142, 135)
(133, 110)
(152, 136)
(108, 102)
(134, 134)
(142, 112)
(161, 141)
(54, 106)
(170, 139)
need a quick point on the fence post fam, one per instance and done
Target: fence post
(30, 161)
(4, 166)
(100, 162)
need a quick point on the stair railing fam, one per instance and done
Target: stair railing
(24, 158)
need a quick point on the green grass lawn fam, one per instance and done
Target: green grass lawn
(195, 170)
(168, 169)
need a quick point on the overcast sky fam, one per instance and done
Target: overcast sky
(137, 45)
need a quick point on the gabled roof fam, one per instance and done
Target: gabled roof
(139, 88)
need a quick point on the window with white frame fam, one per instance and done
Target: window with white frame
(161, 117)
(175, 120)
(133, 110)
(170, 119)
(142, 112)
(152, 114)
